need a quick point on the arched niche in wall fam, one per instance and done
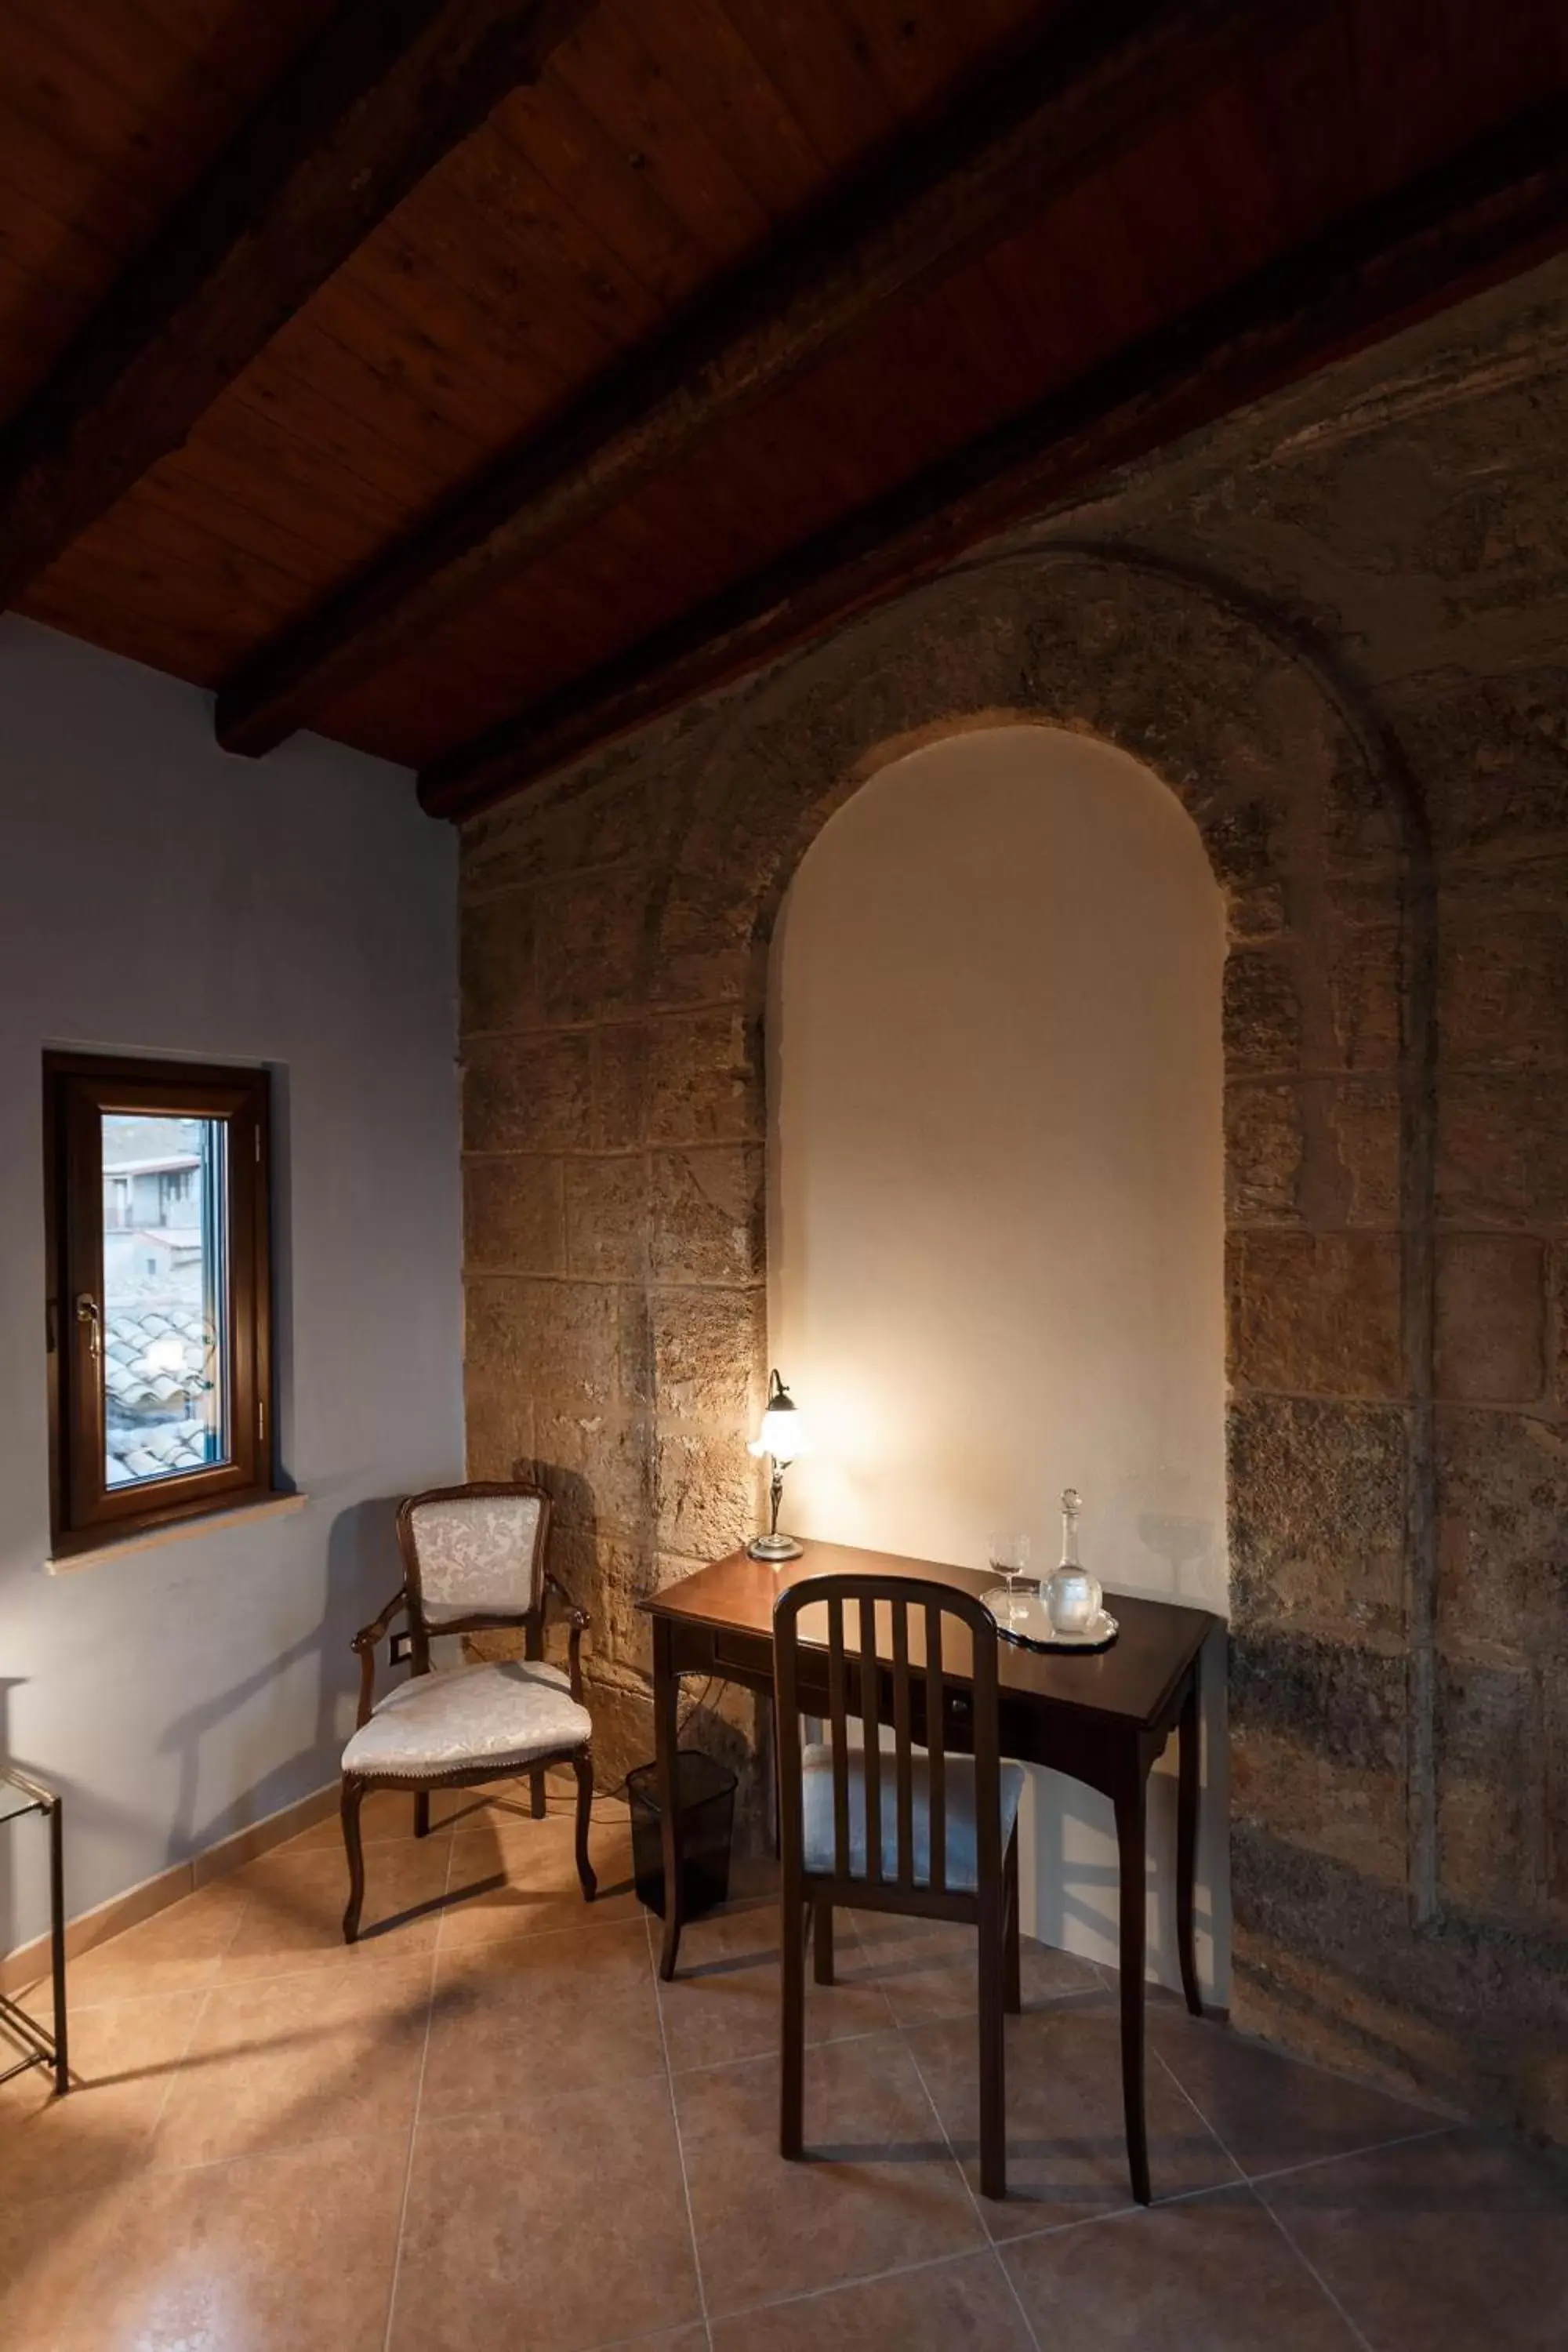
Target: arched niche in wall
(995, 1217)
(659, 873)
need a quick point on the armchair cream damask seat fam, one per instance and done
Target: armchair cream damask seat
(473, 1560)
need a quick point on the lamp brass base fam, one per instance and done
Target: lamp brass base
(774, 1547)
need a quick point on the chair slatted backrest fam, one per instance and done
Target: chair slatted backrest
(473, 1558)
(879, 1677)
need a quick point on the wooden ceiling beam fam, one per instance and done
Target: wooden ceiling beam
(373, 102)
(1496, 209)
(1085, 90)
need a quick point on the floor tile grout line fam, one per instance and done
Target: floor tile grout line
(1318, 2280)
(201, 2010)
(413, 2133)
(79, 2008)
(679, 2139)
(1347, 2155)
(175, 2070)
(1315, 2274)
(860, 2279)
(1433, 2131)
(1153, 2050)
(981, 2223)
(762, 2057)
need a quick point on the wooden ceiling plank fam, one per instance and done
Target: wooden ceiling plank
(376, 98)
(1497, 207)
(1299, 98)
(375, 399)
(824, 78)
(408, 321)
(622, 81)
(742, 110)
(34, 242)
(84, 189)
(511, 305)
(919, 50)
(37, 312)
(1089, 90)
(197, 588)
(146, 62)
(262, 477)
(329, 438)
(242, 46)
(594, 183)
(570, 257)
(308, 538)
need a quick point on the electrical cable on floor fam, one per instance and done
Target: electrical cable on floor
(617, 1794)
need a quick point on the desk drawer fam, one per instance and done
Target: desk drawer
(747, 1657)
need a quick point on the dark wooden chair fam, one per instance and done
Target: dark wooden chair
(473, 1560)
(948, 1843)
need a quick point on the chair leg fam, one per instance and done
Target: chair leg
(422, 1813)
(1012, 1990)
(823, 1969)
(536, 1804)
(584, 1768)
(992, 2046)
(352, 1797)
(792, 2025)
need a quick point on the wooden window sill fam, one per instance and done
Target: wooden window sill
(204, 1523)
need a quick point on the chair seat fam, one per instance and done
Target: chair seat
(504, 1712)
(960, 1870)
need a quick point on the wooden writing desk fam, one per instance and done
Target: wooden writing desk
(1101, 1719)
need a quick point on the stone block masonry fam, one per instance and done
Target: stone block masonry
(1337, 627)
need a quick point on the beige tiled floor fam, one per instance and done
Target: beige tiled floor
(490, 2125)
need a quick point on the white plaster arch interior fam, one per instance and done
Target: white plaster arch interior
(996, 1205)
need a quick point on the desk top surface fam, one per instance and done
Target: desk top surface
(1133, 1681)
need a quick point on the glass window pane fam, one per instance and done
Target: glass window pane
(165, 1290)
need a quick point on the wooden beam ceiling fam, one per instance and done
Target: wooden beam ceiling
(1087, 89)
(374, 100)
(1497, 208)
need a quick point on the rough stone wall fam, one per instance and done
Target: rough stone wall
(1338, 629)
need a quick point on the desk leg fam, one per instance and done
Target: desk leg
(58, 1940)
(1187, 1737)
(1133, 1851)
(667, 1741)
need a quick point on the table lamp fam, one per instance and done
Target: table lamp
(783, 1439)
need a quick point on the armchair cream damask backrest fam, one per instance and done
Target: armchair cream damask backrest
(475, 1551)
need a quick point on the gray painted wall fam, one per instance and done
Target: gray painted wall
(157, 895)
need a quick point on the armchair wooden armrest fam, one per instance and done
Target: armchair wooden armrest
(363, 1646)
(579, 1621)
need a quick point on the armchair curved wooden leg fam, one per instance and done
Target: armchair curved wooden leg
(352, 1797)
(584, 1766)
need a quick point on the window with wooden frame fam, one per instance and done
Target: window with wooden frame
(159, 1325)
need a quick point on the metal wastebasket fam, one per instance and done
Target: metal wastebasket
(705, 1797)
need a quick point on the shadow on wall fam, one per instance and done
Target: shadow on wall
(610, 1575)
(12, 1866)
(361, 1569)
(1330, 1969)
(1074, 1879)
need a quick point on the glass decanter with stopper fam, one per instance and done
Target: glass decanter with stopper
(1073, 1598)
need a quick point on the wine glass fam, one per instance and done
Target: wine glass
(1008, 1553)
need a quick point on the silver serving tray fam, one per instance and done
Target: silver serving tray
(1028, 1626)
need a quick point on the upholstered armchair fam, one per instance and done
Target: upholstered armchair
(473, 1560)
